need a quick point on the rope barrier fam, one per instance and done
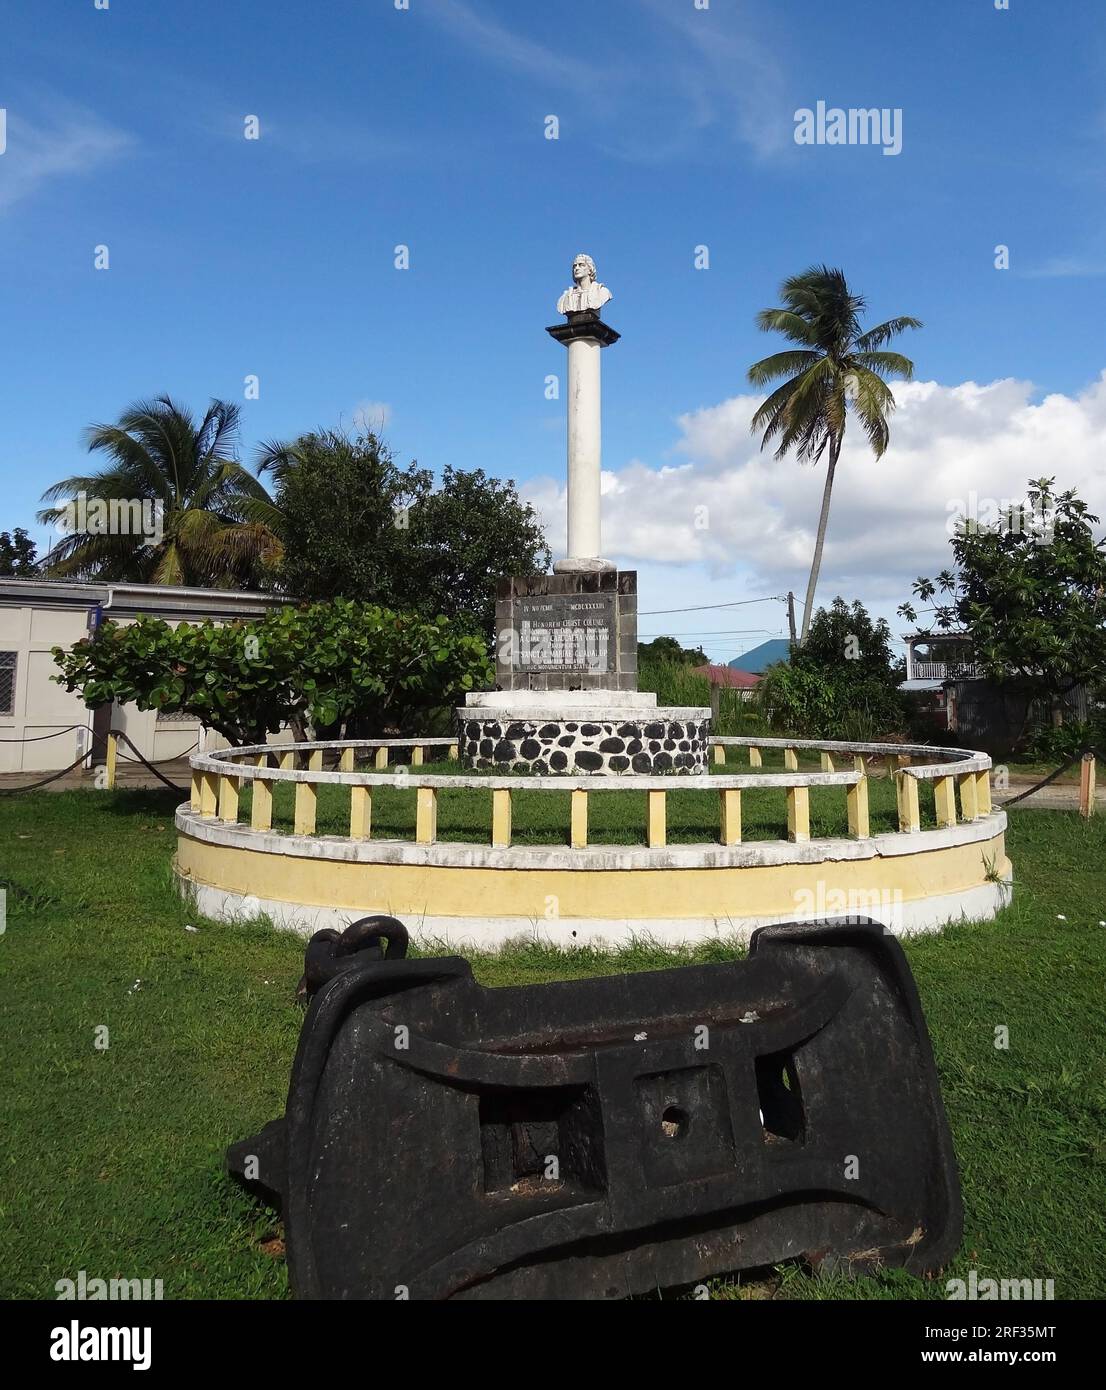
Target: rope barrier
(159, 762)
(181, 791)
(41, 738)
(1052, 776)
(35, 786)
(121, 737)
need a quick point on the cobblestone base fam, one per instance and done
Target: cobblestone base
(565, 746)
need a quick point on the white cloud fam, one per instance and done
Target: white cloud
(72, 142)
(372, 415)
(889, 518)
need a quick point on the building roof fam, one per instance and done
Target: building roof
(728, 676)
(130, 600)
(760, 658)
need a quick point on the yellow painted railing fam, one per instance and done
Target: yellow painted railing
(217, 782)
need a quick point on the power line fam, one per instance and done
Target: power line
(702, 607)
(716, 632)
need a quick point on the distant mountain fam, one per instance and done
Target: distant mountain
(760, 658)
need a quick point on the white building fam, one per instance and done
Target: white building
(44, 728)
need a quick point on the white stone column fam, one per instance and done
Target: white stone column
(584, 450)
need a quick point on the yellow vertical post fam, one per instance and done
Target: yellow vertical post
(755, 759)
(983, 791)
(1087, 779)
(261, 806)
(578, 837)
(360, 812)
(790, 760)
(798, 813)
(857, 799)
(197, 786)
(228, 799)
(209, 794)
(454, 751)
(969, 802)
(416, 755)
(720, 753)
(501, 818)
(112, 755)
(658, 820)
(306, 807)
(827, 762)
(860, 764)
(730, 800)
(345, 762)
(381, 759)
(315, 760)
(288, 760)
(426, 815)
(910, 815)
(944, 800)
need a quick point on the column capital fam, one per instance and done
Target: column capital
(585, 324)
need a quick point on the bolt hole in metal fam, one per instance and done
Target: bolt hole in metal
(674, 1122)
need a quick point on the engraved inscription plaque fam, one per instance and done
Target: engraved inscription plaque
(561, 632)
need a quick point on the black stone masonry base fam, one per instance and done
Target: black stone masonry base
(655, 742)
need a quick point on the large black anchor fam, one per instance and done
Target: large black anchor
(605, 1137)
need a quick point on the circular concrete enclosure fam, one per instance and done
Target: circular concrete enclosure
(904, 834)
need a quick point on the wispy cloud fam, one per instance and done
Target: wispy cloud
(675, 74)
(1068, 267)
(70, 142)
(509, 49)
(308, 136)
(372, 416)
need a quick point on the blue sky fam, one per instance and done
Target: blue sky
(425, 127)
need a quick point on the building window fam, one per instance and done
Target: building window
(7, 682)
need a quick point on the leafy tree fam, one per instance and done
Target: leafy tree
(341, 506)
(464, 536)
(336, 665)
(17, 554)
(668, 649)
(834, 366)
(843, 682)
(189, 476)
(1030, 591)
(354, 522)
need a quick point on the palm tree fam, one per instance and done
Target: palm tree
(210, 511)
(835, 365)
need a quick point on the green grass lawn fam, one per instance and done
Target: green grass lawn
(112, 1159)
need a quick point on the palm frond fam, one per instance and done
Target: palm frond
(787, 322)
(886, 363)
(875, 338)
(780, 364)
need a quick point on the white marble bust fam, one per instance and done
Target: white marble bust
(587, 292)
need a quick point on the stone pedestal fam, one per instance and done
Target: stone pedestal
(568, 703)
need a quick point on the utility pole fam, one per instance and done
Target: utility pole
(791, 614)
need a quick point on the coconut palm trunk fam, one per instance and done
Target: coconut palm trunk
(820, 539)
